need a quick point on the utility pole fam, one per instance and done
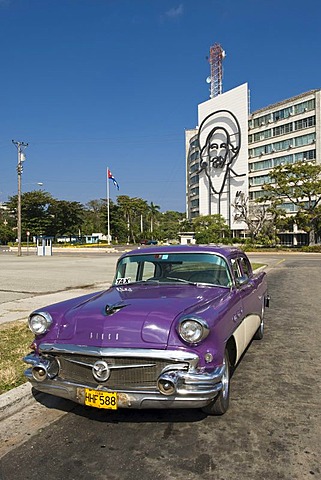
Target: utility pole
(21, 158)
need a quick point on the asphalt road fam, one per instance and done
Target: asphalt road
(272, 430)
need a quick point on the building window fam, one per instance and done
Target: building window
(304, 106)
(282, 129)
(194, 168)
(194, 156)
(262, 165)
(194, 179)
(282, 160)
(284, 145)
(304, 140)
(288, 207)
(308, 155)
(260, 180)
(304, 123)
(280, 114)
(259, 151)
(257, 194)
(261, 121)
(257, 137)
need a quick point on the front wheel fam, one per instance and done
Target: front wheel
(220, 403)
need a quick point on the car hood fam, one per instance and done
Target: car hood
(133, 315)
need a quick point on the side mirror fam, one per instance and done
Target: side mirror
(242, 280)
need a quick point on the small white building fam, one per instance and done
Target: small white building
(187, 238)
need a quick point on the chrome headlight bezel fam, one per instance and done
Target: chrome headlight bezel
(192, 329)
(39, 322)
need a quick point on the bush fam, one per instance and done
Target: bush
(311, 249)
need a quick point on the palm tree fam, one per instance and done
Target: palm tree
(133, 209)
(153, 212)
(125, 204)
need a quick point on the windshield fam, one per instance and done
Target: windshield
(177, 267)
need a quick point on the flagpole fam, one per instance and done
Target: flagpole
(108, 214)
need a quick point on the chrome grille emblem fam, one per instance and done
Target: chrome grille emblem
(101, 371)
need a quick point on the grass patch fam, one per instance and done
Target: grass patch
(15, 338)
(255, 266)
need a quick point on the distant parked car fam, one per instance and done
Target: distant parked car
(148, 242)
(165, 334)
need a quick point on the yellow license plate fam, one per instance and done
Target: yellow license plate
(99, 399)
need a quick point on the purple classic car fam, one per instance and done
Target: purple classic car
(167, 333)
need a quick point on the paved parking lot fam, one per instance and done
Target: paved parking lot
(30, 275)
(30, 282)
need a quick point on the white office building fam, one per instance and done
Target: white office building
(285, 132)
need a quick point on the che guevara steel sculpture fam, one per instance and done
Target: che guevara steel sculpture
(219, 139)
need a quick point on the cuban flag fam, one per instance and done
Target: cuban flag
(112, 178)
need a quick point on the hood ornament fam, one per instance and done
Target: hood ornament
(111, 309)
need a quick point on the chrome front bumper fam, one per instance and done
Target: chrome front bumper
(189, 389)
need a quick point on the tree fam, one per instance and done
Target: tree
(131, 219)
(153, 213)
(67, 217)
(140, 211)
(211, 229)
(170, 224)
(133, 209)
(300, 184)
(117, 222)
(8, 226)
(94, 217)
(260, 218)
(35, 215)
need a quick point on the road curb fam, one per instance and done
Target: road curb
(16, 399)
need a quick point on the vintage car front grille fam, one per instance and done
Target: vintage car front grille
(125, 373)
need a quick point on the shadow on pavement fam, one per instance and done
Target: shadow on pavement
(122, 415)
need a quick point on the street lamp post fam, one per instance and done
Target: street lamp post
(21, 158)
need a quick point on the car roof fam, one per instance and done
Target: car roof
(224, 250)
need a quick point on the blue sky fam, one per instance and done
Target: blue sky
(96, 83)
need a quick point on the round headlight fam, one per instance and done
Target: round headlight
(193, 330)
(40, 322)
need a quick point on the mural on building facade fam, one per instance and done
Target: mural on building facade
(219, 139)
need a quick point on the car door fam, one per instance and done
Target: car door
(247, 286)
(238, 317)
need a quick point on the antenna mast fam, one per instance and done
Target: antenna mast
(217, 54)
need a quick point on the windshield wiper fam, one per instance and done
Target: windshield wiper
(163, 280)
(180, 280)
